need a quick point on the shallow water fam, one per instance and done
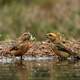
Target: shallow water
(40, 70)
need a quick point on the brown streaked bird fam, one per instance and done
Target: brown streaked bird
(22, 45)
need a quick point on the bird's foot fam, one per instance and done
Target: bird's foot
(61, 58)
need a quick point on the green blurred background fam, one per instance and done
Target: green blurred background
(39, 17)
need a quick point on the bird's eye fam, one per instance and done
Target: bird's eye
(25, 33)
(50, 35)
(63, 42)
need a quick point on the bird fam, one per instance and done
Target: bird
(22, 45)
(60, 45)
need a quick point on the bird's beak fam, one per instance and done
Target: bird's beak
(32, 38)
(46, 36)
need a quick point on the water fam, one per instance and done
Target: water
(40, 70)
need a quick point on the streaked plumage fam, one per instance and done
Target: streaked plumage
(61, 47)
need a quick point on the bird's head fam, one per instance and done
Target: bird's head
(25, 36)
(54, 36)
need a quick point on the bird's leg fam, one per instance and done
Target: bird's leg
(61, 58)
(21, 58)
(2, 57)
(6, 59)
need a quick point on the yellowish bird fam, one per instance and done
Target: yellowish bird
(60, 48)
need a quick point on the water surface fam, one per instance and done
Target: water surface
(40, 70)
